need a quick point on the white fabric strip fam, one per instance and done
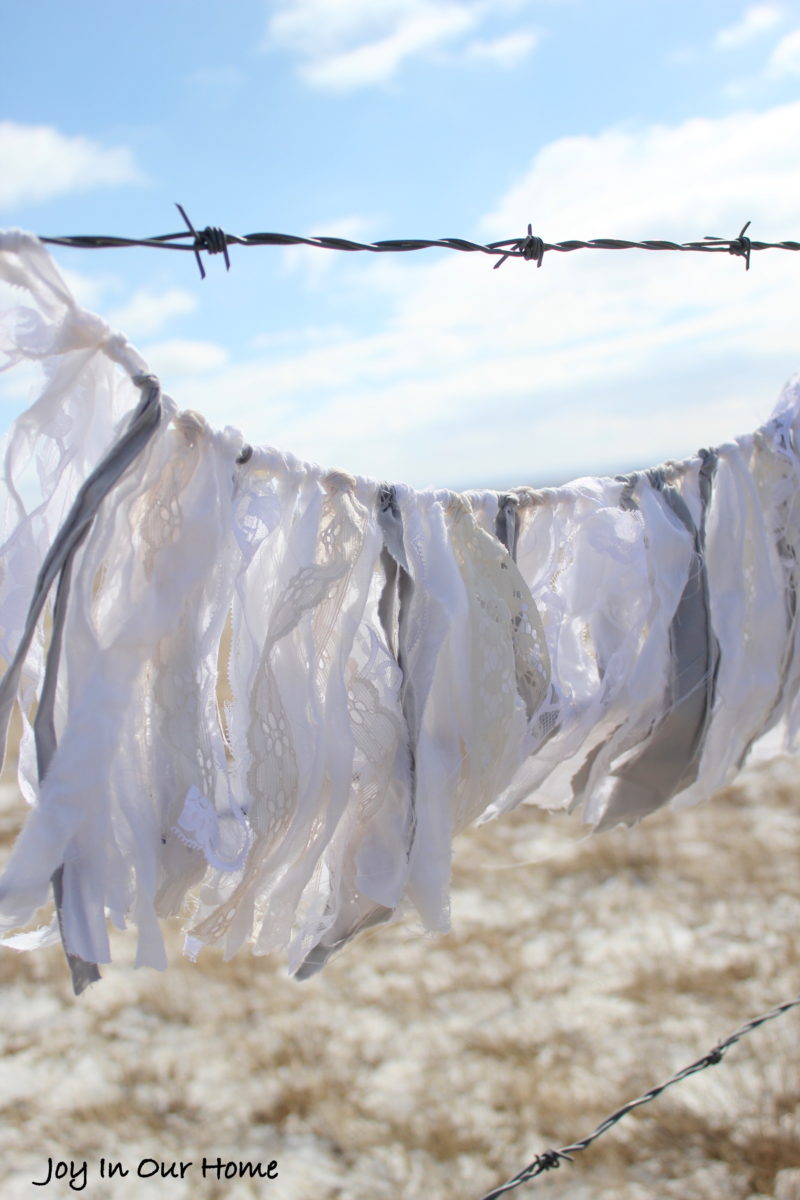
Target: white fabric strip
(269, 695)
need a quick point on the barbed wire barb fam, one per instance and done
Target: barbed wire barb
(210, 239)
(550, 1160)
(740, 245)
(530, 248)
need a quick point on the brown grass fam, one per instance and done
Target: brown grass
(438, 1067)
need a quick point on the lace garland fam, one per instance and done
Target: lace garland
(267, 696)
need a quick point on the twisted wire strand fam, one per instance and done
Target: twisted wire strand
(550, 1160)
(213, 240)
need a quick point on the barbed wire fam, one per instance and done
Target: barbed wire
(549, 1160)
(213, 240)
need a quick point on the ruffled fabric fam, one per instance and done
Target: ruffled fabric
(264, 697)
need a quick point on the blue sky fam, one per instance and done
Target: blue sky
(426, 118)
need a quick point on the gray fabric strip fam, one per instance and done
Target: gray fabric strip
(388, 602)
(670, 758)
(627, 499)
(320, 954)
(394, 562)
(82, 973)
(390, 520)
(506, 526)
(143, 424)
(58, 562)
(399, 580)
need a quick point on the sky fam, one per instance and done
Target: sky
(425, 118)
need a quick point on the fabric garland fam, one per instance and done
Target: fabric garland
(266, 696)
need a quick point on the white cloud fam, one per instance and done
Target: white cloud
(147, 312)
(600, 360)
(347, 44)
(660, 180)
(177, 357)
(40, 163)
(757, 19)
(505, 51)
(785, 58)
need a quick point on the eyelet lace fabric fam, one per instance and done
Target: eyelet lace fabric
(263, 697)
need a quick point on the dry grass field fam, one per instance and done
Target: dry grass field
(579, 972)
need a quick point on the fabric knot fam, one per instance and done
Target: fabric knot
(16, 241)
(387, 498)
(146, 380)
(338, 481)
(528, 497)
(115, 344)
(627, 499)
(457, 505)
(117, 347)
(506, 526)
(191, 424)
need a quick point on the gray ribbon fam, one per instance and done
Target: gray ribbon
(394, 604)
(396, 599)
(669, 759)
(394, 564)
(319, 955)
(506, 526)
(58, 562)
